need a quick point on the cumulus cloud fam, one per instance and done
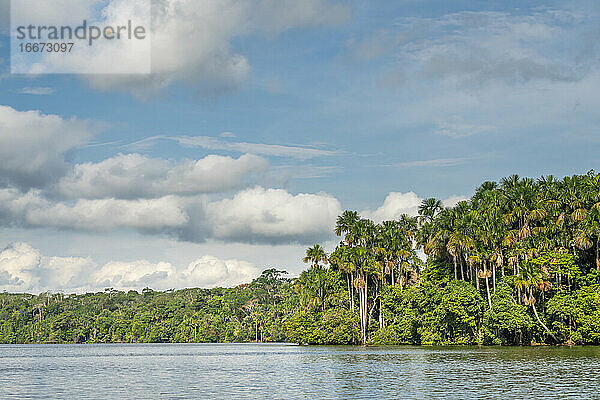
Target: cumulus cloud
(210, 271)
(396, 204)
(18, 264)
(35, 148)
(191, 40)
(24, 269)
(154, 215)
(273, 216)
(454, 200)
(254, 215)
(14, 205)
(136, 274)
(134, 176)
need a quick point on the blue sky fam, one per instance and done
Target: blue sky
(365, 102)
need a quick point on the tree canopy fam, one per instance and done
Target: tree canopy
(517, 263)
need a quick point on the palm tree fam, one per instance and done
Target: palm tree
(365, 265)
(315, 255)
(345, 224)
(531, 279)
(592, 197)
(342, 259)
(429, 208)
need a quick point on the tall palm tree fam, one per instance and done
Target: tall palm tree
(345, 224)
(315, 255)
(429, 208)
(532, 279)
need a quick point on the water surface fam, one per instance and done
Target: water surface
(275, 371)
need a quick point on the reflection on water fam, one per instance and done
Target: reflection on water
(236, 371)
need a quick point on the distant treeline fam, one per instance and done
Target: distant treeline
(519, 263)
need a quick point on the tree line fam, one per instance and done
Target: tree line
(517, 263)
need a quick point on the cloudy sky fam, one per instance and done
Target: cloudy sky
(264, 119)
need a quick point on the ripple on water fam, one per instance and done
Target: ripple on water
(253, 371)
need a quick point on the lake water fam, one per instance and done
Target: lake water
(275, 371)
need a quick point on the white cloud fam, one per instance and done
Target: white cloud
(394, 205)
(35, 148)
(18, 265)
(440, 162)
(460, 129)
(273, 216)
(208, 271)
(475, 48)
(24, 269)
(274, 150)
(255, 215)
(191, 40)
(38, 91)
(136, 274)
(14, 205)
(454, 200)
(134, 176)
(65, 272)
(155, 215)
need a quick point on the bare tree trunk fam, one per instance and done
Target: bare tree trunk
(494, 276)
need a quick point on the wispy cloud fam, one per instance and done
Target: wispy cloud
(439, 162)
(459, 130)
(212, 143)
(309, 171)
(477, 48)
(38, 91)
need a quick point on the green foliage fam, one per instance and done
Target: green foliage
(333, 326)
(507, 322)
(517, 263)
(252, 312)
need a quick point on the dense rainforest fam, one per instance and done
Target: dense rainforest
(518, 263)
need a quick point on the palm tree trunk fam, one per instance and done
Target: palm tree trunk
(487, 288)
(349, 289)
(541, 323)
(455, 268)
(494, 276)
(352, 291)
(366, 308)
(381, 321)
